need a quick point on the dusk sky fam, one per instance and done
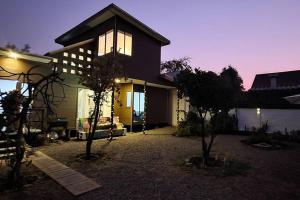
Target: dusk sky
(254, 36)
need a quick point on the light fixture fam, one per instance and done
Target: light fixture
(117, 80)
(13, 55)
(258, 111)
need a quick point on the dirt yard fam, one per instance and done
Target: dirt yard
(140, 166)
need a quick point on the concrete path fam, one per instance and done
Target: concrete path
(72, 180)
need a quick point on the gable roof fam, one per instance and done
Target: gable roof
(103, 15)
(284, 80)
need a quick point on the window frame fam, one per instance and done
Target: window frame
(124, 42)
(105, 42)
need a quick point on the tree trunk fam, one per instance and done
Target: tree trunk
(205, 153)
(92, 132)
(16, 177)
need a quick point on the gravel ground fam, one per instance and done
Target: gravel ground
(140, 166)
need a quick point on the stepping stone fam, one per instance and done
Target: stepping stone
(73, 181)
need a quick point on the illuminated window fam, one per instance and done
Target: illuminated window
(106, 43)
(66, 54)
(88, 59)
(65, 70)
(124, 43)
(89, 66)
(80, 65)
(81, 50)
(89, 51)
(73, 55)
(80, 72)
(128, 100)
(80, 57)
(65, 62)
(72, 71)
(73, 64)
(55, 60)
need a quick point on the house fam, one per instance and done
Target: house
(145, 94)
(267, 102)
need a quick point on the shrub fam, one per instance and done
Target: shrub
(190, 127)
(225, 123)
(258, 137)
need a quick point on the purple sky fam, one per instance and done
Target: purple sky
(254, 36)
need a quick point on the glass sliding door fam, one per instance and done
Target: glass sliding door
(138, 107)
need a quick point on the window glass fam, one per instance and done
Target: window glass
(120, 42)
(101, 47)
(73, 55)
(80, 57)
(128, 100)
(65, 62)
(66, 54)
(81, 50)
(138, 106)
(109, 41)
(128, 44)
(89, 51)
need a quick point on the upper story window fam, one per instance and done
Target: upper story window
(124, 43)
(106, 43)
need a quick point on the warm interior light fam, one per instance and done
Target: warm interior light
(13, 55)
(117, 80)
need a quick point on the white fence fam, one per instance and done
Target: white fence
(278, 119)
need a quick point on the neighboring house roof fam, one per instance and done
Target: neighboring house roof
(24, 55)
(277, 81)
(103, 15)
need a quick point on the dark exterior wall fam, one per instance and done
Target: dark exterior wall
(157, 106)
(144, 64)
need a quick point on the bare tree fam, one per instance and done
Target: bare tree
(101, 79)
(39, 86)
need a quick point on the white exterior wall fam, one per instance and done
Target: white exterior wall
(183, 106)
(278, 119)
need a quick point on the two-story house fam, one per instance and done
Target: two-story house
(112, 30)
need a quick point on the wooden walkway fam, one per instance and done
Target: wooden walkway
(72, 180)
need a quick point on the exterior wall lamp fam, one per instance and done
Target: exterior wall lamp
(13, 55)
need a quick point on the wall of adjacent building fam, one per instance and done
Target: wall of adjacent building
(278, 119)
(183, 107)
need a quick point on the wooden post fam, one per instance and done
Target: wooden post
(112, 111)
(145, 108)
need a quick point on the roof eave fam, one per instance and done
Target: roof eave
(121, 13)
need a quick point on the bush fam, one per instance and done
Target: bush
(225, 123)
(258, 137)
(190, 127)
(292, 136)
